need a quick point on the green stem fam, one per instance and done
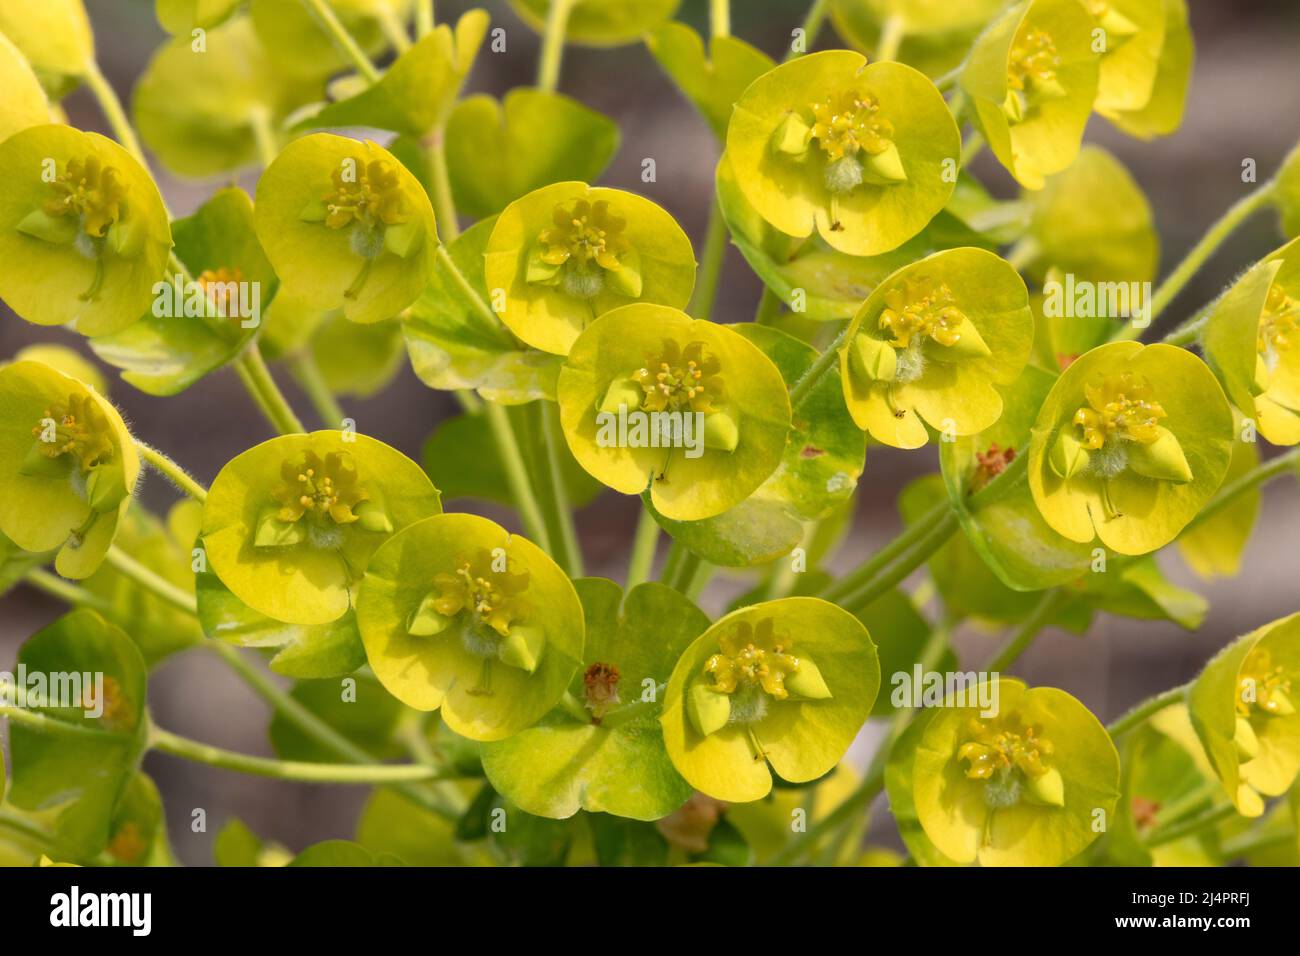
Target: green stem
(720, 17)
(905, 564)
(1209, 818)
(44, 724)
(1041, 615)
(892, 32)
(364, 774)
(1185, 333)
(870, 568)
(424, 17)
(557, 22)
(825, 362)
(1142, 711)
(465, 286)
(971, 147)
(769, 308)
(555, 497)
(812, 26)
(393, 28)
(1257, 476)
(111, 106)
(684, 573)
(949, 79)
(644, 543)
(512, 460)
(257, 378)
(308, 375)
(151, 581)
(444, 203)
(1209, 243)
(712, 259)
(66, 591)
(171, 471)
(264, 135)
(1249, 843)
(676, 554)
(342, 39)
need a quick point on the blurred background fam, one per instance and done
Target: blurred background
(1244, 103)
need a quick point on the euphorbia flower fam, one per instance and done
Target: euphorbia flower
(855, 152)
(1032, 80)
(83, 232)
(1019, 787)
(1146, 65)
(459, 615)
(727, 406)
(1252, 341)
(787, 683)
(290, 525)
(346, 226)
(1244, 709)
(68, 466)
(1130, 443)
(930, 343)
(566, 254)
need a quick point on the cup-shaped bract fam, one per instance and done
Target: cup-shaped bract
(1024, 782)
(863, 154)
(1243, 708)
(1131, 442)
(600, 22)
(68, 466)
(346, 226)
(935, 33)
(784, 683)
(930, 343)
(1252, 340)
(1146, 66)
(24, 102)
(460, 616)
(1032, 80)
(566, 254)
(55, 37)
(651, 398)
(201, 110)
(83, 231)
(290, 525)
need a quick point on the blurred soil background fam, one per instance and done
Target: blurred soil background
(1244, 102)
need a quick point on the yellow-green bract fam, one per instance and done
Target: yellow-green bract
(1252, 341)
(83, 231)
(865, 155)
(346, 226)
(1032, 80)
(601, 22)
(565, 254)
(1243, 709)
(1130, 444)
(930, 343)
(55, 37)
(290, 525)
(68, 469)
(459, 616)
(1030, 785)
(24, 102)
(785, 683)
(645, 360)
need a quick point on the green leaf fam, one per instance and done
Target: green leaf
(415, 96)
(1215, 546)
(712, 81)
(1286, 193)
(340, 853)
(616, 766)
(138, 831)
(498, 151)
(166, 354)
(1139, 589)
(453, 345)
(181, 16)
(87, 773)
(392, 825)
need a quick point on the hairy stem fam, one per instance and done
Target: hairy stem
(171, 471)
(1140, 713)
(521, 489)
(712, 259)
(342, 38)
(150, 580)
(644, 543)
(555, 496)
(444, 203)
(112, 109)
(257, 379)
(1043, 612)
(307, 373)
